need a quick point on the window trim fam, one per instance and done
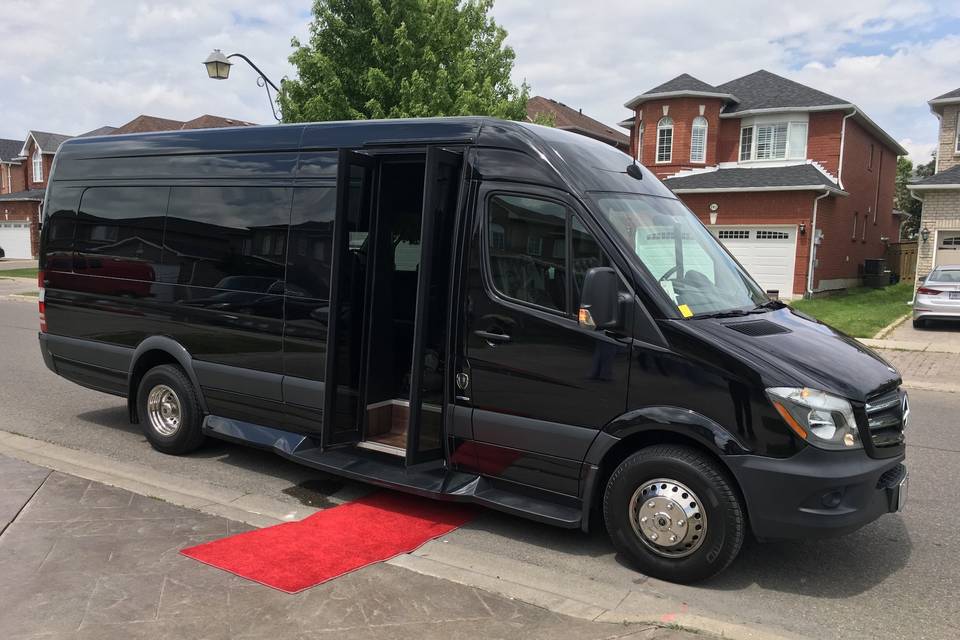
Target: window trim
(663, 128)
(37, 164)
(856, 214)
(956, 141)
(693, 127)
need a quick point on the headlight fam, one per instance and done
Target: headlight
(824, 420)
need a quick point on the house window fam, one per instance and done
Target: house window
(870, 158)
(774, 141)
(854, 235)
(698, 140)
(37, 165)
(665, 139)
(746, 143)
(535, 246)
(956, 145)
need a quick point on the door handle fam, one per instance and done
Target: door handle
(492, 337)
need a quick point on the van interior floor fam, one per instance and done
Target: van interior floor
(387, 424)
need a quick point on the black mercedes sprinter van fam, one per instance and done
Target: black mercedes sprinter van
(467, 309)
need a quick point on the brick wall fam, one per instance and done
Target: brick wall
(947, 156)
(870, 203)
(823, 139)
(763, 208)
(24, 210)
(941, 211)
(682, 111)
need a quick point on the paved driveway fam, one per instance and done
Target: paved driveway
(896, 578)
(938, 333)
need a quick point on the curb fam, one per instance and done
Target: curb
(253, 509)
(932, 386)
(568, 594)
(890, 327)
(908, 345)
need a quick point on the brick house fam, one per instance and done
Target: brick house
(25, 168)
(940, 193)
(574, 120)
(798, 184)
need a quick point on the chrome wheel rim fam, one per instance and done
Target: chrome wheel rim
(163, 408)
(668, 517)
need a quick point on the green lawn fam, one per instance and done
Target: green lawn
(18, 273)
(860, 312)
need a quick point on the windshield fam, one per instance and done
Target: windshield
(689, 264)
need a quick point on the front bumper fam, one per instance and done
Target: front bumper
(818, 493)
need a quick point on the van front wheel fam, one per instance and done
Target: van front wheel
(675, 513)
(169, 410)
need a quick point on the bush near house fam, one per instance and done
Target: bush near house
(860, 312)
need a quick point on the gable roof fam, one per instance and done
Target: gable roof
(762, 90)
(683, 85)
(9, 149)
(145, 123)
(101, 131)
(798, 177)
(574, 120)
(48, 142)
(949, 179)
(950, 95)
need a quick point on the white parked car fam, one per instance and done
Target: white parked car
(938, 297)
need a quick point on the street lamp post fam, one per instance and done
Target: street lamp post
(218, 68)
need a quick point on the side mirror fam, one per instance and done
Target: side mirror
(600, 300)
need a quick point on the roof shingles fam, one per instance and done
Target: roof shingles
(9, 149)
(574, 120)
(949, 177)
(764, 90)
(683, 82)
(793, 176)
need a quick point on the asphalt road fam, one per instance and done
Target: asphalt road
(896, 578)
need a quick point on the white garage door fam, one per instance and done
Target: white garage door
(948, 248)
(15, 239)
(768, 253)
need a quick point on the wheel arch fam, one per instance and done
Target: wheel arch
(152, 352)
(638, 429)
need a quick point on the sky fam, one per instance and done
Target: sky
(70, 66)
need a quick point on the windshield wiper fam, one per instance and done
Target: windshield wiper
(771, 304)
(732, 313)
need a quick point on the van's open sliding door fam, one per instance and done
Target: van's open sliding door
(430, 372)
(342, 405)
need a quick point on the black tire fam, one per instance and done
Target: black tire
(919, 323)
(724, 522)
(188, 435)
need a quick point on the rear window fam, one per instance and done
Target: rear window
(945, 275)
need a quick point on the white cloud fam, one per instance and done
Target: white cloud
(80, 64)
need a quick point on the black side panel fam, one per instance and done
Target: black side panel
(96, 365)
(548, 438)
(241, 393)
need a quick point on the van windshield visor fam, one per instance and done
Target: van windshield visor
(697, 274)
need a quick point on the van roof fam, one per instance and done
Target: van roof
(584, 163)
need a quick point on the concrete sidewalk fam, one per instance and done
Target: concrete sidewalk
(79, 559)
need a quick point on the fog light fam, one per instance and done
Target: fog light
(832, 499)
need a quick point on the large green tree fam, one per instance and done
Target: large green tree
(902, 198)
(402, 58)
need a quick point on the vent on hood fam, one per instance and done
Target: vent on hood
(758, 328)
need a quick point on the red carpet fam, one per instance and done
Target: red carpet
(295, 556)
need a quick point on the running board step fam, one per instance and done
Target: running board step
(431, 480)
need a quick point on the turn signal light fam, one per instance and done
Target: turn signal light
(929, 292)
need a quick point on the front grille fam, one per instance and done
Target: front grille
(885, 419)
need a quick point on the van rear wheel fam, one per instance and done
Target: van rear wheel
(675, 513)
(169, 410)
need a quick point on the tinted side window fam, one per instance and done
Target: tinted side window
(526, 240)
(587, 254)
(120, 231)
(311, 242)
(60, 214)
(227, 237)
